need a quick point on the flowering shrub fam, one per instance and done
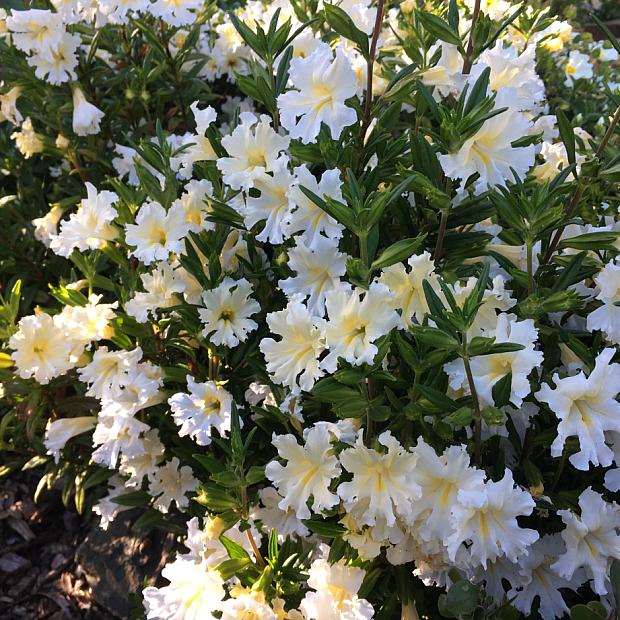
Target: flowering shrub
(329, 290)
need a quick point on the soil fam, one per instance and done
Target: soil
(39, 575)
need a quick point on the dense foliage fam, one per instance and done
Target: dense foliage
(329, 290)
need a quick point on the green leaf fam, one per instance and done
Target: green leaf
(435, 338)
(591, 241)
(135, 498)
(492, 415)
(231, 568)
(612, 39)
(340, 21)
(233, 549)
(614, 578)
(325, 529)
(439, 28)
(398, 252)
(462, 598)
(461, 417)
(567, 134)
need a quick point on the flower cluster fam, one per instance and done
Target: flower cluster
(331, 289)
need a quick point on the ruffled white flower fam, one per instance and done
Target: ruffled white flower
(515, 71)
(106, 507)
(207, 406)
(139, 466)
(90, 227)
(272, 517)
(86, 116)
(244, 606)
(46, 227)
(59, 66)
(194, 203)
(383, 486)
(487, 518)
(272, 206)
(41, 348)
(489, 152)
(318, 271)
(27, 140)
(227, 311)
(109, 371)
(577, 67)
(541, 581)
(440, 478)
(607, 317)
(446, 76)
(335, 593)
(157, 233)
(322, 83)
(407, 289)
(35, 30)
(170, 483)
(161, 289)
(356, 323)
(487, 370)
(586, 407)
(8, 106)
(308, 473)
(176, 12)
(306, 217)
(194, 593)
(253, 148)
(293, 361)
(90, 322)
(592, 541)
(58, 432)
(198, 147)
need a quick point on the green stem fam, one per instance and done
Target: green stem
(477, 414)
(530, 269)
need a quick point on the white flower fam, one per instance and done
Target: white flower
(308, 472)
(247, 606)
(487, 517)
(293, 360)
(272, 206)
(322, 84)
(176, 12)
(86, 116)
(170, 483)
(90, 322)
(227, 311)
(487, 370)
(194, 203)
(586, 407)
(161, 289)
(591, 539)
(308, 218)
(46, 227)
(138, 466)
(318, 272)
(8, 106)
(157, 232)
(41, 348)
(335, 597)
(447, 74)
(106, 507)
(354, 324)
(578, 66)
(383, 486)
(253, 148)
(407, 287)
(541, 581)
(109, 371)
(27, 140)
(59, 65)
(198, 146)
(514, 71)
(607, 317)
(206, 406)
(440, 478)
(194, 593)
(90, 227)
(272, 517)
(490, 154)
(35, 30)
(58, 432)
